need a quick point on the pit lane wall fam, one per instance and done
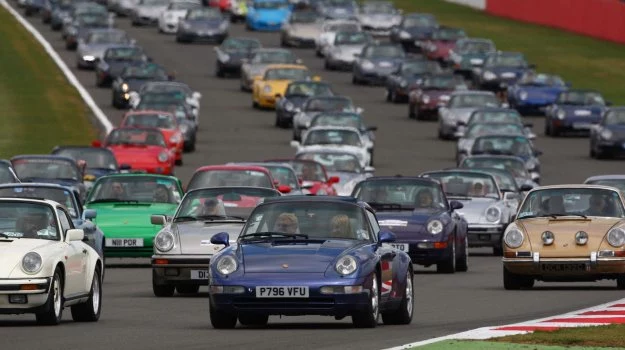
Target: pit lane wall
(602, 19)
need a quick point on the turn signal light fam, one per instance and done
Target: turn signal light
(440, 245)
(29, 287)
(161, 261)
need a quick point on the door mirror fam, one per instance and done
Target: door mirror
(96, 143)
(333, 180)
(510, 196)
(369, 169)
(284, 189)
(89, 214)
(385, 236)
(158, 220)
(454, 205)
(196, 95)
(526, 187)
(221, 238)
(299, 61)
(528, 125)
(608, 103)
(359, 110)
(538, 152)
(372, 128)
(74, 234)
(294, 144)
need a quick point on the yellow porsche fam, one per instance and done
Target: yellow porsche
(272, 84)
(566, 233)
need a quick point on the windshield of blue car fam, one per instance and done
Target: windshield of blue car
(407, 194)
(93, 20)
(442, 82)
(419, 21)
(515, 146)
(95, 157)
(503, 116)
(515, 61)
(328, 104)
(313, 220)
(304, 17)
(107, 38)
(221, 178)
(351, 38)
(617, 183)
(345, 120)
(615, 117)
(309, 89)
(184, 5)
(541, 80)
(144, 72)
(480, 129)
(479, 47)
(135, 188)
(581, 98)
(59, 195)
(420, 67)
(516, 166)
(173, 90)
(224, 202)
(136, 137)
(554, 202)
(27, 220)
(448, 34)
(466, 184)
(126, 53)
(287, 74)
(240, 45)
(384, 51)
(270, 5)
(46, 168)
(334, 162)
(204, 14)
(277, 57)
(332, 137)
(473, 101)
(284, 175)
(152, 120)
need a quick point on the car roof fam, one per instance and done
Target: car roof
(225, 188)
(400, 178)
(490, 156)
(232, 167)
(338, 128)
(43, 156)
(606, 177)
(502, 136)
(28, 200)
(285, 66)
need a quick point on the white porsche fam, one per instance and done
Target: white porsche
(346, 139)
(45, 265)
(168, 20)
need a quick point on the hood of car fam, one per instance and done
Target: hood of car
(277, 86)
(419, 32)
(12, 250)
(305, 30)
(297, 100)
(532, 91)
(462, 114)
(136, 154)
(582, 110)
(411, 224)
(437, 94)
(474, 209)
(310, 257)
(386, 62)
(96, 50)
(121, 218)
(99, 172)
(136, 84)
(204, 24)
(564, 230)
(116, 67)
(195, 236)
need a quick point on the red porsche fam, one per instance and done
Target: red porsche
(312, 175)
(234, 175)
(164, 121)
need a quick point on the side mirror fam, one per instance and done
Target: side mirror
(333, 180)
(89, 214)
(96, 143)
(284, 189)
(538, 153)
(74, 234)
(158, 219)
(568, 84)
(526, 187)
(359, 110)
(385, 236)
(133, 42)
(196, 95)
(171, 76)
(294, 144)
(372, 128)
(369, 169)
(528, 125)
(357, 55)
(125, 166)
(510, 196)
(455, 205)
(299, 61)
(221, 238)
(461, 123)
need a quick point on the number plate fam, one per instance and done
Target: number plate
(281, 292)
(581, 125)
(124, 242)
(199, 274)
(404, 247)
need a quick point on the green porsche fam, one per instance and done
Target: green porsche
(125, 203)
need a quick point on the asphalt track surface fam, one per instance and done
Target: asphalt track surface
(230, 130)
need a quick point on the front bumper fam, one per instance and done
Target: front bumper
(372, 76)
(169, 27)
(590, 268)
(267, 101)
(83, 63)
(339, 62)
(144, 20)
(301, 41)
(424, 253)
(611, 147)
(377, 31)
(208, 36)
(189, 270)
(35, 299)
(485, 235)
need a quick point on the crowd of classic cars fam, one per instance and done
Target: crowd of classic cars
(347, 239)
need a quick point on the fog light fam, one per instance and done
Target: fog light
(341, 289)
(227, 289)
(353, 289)
(18, 299)
(548, 238)
(581, 238)
(126, 97)
(172, 271)
(425, 245)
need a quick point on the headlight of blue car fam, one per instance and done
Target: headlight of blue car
(346, 265)
(226, 265)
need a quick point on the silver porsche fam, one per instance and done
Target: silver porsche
(301, 29)
(91, 49)
(378, 17)
(182, 248)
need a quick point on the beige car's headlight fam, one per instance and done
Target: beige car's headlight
(616, 237)
(514, 238)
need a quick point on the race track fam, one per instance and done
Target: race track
(132, 318)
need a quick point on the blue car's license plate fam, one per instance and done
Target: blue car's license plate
(282, 292)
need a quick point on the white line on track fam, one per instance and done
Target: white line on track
(97, 112)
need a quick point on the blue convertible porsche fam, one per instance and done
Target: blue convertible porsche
(303, 255)
(428, 228)
(267, 14)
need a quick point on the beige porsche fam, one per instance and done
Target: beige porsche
(566, 233)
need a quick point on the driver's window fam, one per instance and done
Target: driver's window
(63, 220)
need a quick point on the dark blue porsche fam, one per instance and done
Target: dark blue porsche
(303, 255)
(426, 224)
(575, 110)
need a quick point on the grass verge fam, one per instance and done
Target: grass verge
(583, 61)
(487, 345)
(602, 336)
(39, 108)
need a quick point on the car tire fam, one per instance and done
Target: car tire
(403, 314)
(222, 319)
(89, 311)
(449, 265)
(53, 309)
(219, 72)
(356, 81)
(512, 281)
(441, 135)
(254, 320)
(327, 65)
(412, 111)
(498, 250)
(161, 290)
(462, 264)
(178, 162)
(368, 318)
(187, 289)
(620, 282)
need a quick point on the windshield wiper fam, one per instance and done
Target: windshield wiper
(185, 218)
(2, 234)
(110, 200)
(385, 206)
(553, 216)
(218, 217)
(273, 234)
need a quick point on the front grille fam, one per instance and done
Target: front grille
(283, 303)
(564, 267)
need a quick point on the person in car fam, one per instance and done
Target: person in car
(211, 207)
(424, 199)
(286, 223)
(341, 227)
(162, 194)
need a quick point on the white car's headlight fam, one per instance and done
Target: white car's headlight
(435, 227)
(425, 98)
(31, 262)
(404, 34)
(289, 106)
(616, 237)
(88, 58)
(606, 134)
(125, 87)
(227, 265)
(561, 114)
(514, 238)
(489, 75)
(164, 241)
(493, 214)
(523, 95)
(367, 65)
(346, 265)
